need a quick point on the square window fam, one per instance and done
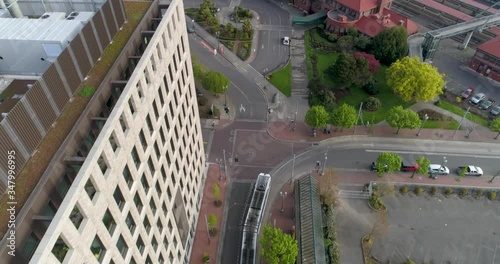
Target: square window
(146, 76)
(158, 189)
(154, 243)
(151, 166)
(76, 216)
(164, 207)
(102, 164)
(165, 82)
(142, 138)
(131, 105)
(148, 260)
(145, 184)
(109, 222)
(135, 157)
(147, 225)
(152, 205)
(130, 223)
(155, 109)
(170, 73)
(171, 257)
(123, 124)
(113, 142)
(162, 134)
(153, 64)
(161, 260)
(122, 246)
(98, 249)
(160, 95)
(90, 189)
(159, 226)
(139, 90)
(60, 250)
(120, 201)
(150, 124)
(140, 245)
(128, 176)
(157, 150)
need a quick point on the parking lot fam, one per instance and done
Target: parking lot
(424, 229)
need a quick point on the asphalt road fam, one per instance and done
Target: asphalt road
(244, 96)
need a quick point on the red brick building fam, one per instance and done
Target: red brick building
(367, 16)
(486, 61)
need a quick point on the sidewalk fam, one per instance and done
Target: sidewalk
(202, 244)
(303, 133)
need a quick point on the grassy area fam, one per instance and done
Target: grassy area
(459, 111)
(29, 176)
(282, 79)
(355, 95)
(448, 125)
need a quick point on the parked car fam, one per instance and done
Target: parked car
(470, 171)
(485, 105)
(438, 169)
(495, 110)
(467, 93)
(286, 41)
(408, 166)
(374, 166)
(477, 98)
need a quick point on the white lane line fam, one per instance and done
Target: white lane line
(436, 153)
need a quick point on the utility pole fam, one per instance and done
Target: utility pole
(283, 195)
(494, 176)
(225, 165)
(220, 169)
(208, 230)
(295, 119)
(324, 165)
(360, 116)
(461, 121)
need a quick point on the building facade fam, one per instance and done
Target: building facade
(486, 60)
(136, 196)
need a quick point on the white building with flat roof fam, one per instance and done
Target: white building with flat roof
(136, 197)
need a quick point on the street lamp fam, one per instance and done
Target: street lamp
(443, 163)
(217, 34)
(219, 162)
(324, 165)
(426, 117)
(283, 195)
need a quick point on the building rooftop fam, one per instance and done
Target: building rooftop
(372, 25)
(491, 47)
(359, 5)
(37, 29)
(14, 91)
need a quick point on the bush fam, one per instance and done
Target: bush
(492, 195)
(404, 189)
(479, 193)
(372, 104)
(419, 191)
(215, 112)
(434, 190)
(463, 192)
(87, 91)
(332, 37)
(448, 191)
(376, 202)
(458, 99)
(202, 101)
(371, 87)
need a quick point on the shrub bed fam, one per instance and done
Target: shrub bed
(332, 251)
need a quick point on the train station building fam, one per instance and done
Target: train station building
(486, 60)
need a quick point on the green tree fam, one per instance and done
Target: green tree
(403, 118)
(390, 44)
(345, 44)
(247, 28)
(316, 116)
(216, 192)
(344, 116)
(423, 166)
(344, 70)
(278, 247)
(215, 82)
(230, 29)
(387, 163)
(205, 11)
(413, 80)
(363, 74)
(495, 126)
(212, 222)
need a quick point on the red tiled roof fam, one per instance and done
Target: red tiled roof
(371, 26)
(491, 47)
(359, 5)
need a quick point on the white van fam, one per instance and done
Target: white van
(286, 41)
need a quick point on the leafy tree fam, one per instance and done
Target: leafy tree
(278, 247)
(247, 28)
(390, 44)
(216, 192)
(316, 116)
(344, 116)
(215, 82)
(362, 42)
(230, 29)
(345, 44)
(373, 64)
(328, 187)
(413, 80)
(423, 165)
(363, 74)
(325, 98)
(495, 126)
(205, 11)
(387, 163)
(344, 70)
(212, 222)
(403, 118)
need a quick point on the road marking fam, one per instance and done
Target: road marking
(436, 153)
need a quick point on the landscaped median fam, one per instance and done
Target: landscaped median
(282, 79)
(29, 176)
(459, 111)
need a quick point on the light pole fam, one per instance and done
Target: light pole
(426, 117)
(225, 165)
(442, 165)
(220, 169)
(283, 195)
(295, 118)
(217, 34)
(324, 165)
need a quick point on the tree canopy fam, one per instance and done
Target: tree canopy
(387, 163)
(413, 80)
(347, 70)
(215, 82)
(495, 126)
(212, 222)
(423, 165)
(403, 118)
(373, 63)
(316, 116)
(390, 44)
(344, 116)
(278, 247)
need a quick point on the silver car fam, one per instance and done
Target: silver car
(438, 169)
(477, 98)
(495, 110)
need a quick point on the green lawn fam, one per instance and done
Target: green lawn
(448, 125)
(282, 80)
(459, 111)
(355, 95)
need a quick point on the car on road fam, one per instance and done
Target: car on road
(408, 166)
(374, 166)
(495, 110)
(467, 93)
(286, 41)
(485, 105)
(438, 169)
(477, 98)
(470, 171)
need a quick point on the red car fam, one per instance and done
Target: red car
(467, 93)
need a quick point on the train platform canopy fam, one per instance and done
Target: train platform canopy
(309, 219)
(313, 19)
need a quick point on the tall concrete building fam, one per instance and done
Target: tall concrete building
(134, 195)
